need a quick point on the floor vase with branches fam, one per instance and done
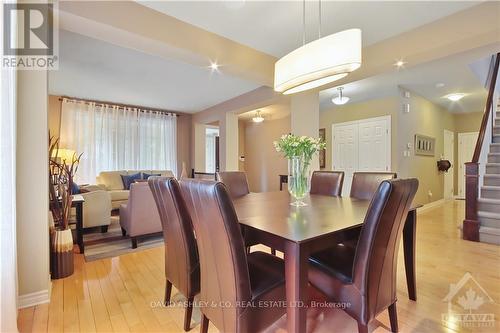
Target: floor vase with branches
(61, 175)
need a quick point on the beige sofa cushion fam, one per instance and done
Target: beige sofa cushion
(112, 179)
(119, 195)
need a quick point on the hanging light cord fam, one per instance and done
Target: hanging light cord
(303, 22)
(319, 18)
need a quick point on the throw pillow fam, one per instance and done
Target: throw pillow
(75, 189)
(129, 179)
(147, 175)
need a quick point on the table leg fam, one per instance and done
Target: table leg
(409, 237)
(79, 227)
(296, 261)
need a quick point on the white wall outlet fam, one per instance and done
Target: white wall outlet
(429, 194)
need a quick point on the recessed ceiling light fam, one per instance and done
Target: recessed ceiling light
(399, 63)
(340, 99)
(214, 66)
(455, 97)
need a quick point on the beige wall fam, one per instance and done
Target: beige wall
(263, 164)
(428, 119)
(184, 136)
(32, 189)
(424, 118)
(358, 111)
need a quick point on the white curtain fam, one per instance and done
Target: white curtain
(116, 138)
(8, 266)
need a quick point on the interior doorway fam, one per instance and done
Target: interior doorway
(448, 154)
(466, 145)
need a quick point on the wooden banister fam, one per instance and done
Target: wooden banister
(471, 223)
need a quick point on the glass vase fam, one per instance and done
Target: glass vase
(298, 180)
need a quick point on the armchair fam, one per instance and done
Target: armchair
(96, 208)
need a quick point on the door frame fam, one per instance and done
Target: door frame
(388, 120)
(451, 171)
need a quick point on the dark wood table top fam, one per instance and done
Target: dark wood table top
(271, 212)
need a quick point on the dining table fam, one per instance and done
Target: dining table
(268, 218)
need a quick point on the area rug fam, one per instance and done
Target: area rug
(112, 244)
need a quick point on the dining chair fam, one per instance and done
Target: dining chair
(235, 181)
(364, 276)
(182, 268)
(364, 184)
(327, 183)
(233, 283)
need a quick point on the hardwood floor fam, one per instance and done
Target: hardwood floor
(125, 293)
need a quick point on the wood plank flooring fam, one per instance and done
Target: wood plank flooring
(124, 294)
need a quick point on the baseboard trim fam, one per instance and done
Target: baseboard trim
(31, 299)
(431, 205)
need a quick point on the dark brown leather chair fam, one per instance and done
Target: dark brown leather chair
(364, 184)
(231, 280)
(327, 183)
(235, 181)
(364, 275)
(182, 268)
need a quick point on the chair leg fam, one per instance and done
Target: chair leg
(134, 242)
(204, 324)
(393, 317)
(362, 328)
(168, 292)
(104, 229)
(247, 250)
(124, 232)
(187, 315)
(273, 251)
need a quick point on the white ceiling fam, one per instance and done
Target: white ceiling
(275, 27)
(93, 69)
(454, 72)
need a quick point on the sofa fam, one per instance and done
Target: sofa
(139, 216)
(111, 181)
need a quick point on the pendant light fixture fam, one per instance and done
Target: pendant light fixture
(340, 99)
(258, 118)
(319, 62)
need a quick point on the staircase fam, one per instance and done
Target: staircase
(489, 200)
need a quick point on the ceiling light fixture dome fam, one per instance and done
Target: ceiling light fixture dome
(340, 99)
(319, 62)
(455, 96)
(258, 117)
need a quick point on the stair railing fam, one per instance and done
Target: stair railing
(471, 223)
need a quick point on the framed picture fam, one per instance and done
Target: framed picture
(424, 145)
(322, 153)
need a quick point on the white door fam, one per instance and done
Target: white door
(345, 152)
(373, 145)
(363, 145)
(466, 145)
(448, 154)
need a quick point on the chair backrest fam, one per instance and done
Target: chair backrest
(375, 262)
(327, 183)
(225, 278)
(141, 208)
(181, 252)
(235, 181)
(364, 184)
